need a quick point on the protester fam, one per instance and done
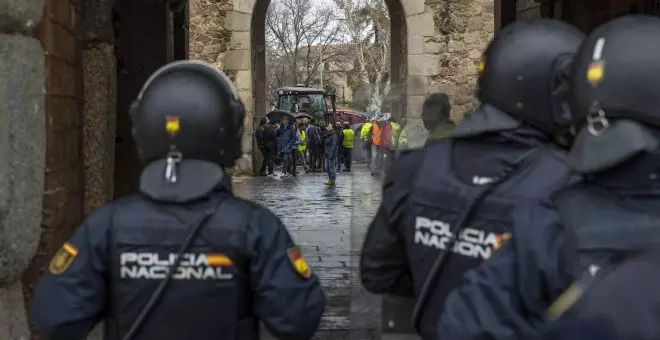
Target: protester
(323, 132)
(302, 147)
(313, 145)
(365, 137)
(435, 116)
(330, 155)
(340, 154)
(267, 143)
(295, 155)
(286, 136)
(347, 145)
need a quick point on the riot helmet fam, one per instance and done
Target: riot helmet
(187, 120)
(615, 96)
(524, 72)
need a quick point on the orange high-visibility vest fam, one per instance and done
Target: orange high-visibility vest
(375, 139)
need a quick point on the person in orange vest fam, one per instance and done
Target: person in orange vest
(381, 140)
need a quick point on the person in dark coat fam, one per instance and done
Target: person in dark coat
(330, 154)
(313, 145)
(340, 153)
(286, 137)
(435, 116)
(267, 143)
(323, 132)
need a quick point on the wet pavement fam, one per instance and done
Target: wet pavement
(329, 224)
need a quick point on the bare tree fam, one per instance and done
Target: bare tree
(301, 35)
(367, 25)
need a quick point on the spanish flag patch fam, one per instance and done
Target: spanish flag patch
(63, 259)
(595, 72)
(500, 239)
(172, 125)
(218, 260)
(298, 262)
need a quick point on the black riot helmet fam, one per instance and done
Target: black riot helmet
(615, 93)
(524, 72)
(192, 108)
(187, 125)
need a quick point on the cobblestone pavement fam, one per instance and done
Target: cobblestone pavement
(329, 224)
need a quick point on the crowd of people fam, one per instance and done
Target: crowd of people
(314, 146)
(317, 146)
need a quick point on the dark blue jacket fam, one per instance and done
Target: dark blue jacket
(508, 296)
(286, 136)
(424, 196)
(239, 271)
(331, 144)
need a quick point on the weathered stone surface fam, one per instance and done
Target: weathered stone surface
(100, 86)
(415, 44)
(209, 33)
(97, 20)
(413, 7)
(421, 24)
(240, 40)
(13, 325)
(244, 6)
(423, 65)
(20, 15)
(237, 21)
(22, 145)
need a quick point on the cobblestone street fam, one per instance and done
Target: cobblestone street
(329, 224)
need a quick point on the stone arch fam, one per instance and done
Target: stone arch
(246, 54)
(436, 45)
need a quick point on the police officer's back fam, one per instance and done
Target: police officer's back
(503, 153)
(234, 261)
(614, 215)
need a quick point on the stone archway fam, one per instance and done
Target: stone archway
(436, 47)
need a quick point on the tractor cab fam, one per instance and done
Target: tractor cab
(300, 100)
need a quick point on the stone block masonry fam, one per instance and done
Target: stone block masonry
(22, 145)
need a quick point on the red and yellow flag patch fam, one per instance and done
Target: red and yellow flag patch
(298, 262)
(500, 239)
(218, 260)
(172, 125)
(63, 259)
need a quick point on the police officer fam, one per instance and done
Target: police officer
(507, 151)
(613, 214)
(183, 258)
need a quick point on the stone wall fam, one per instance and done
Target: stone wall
(100, 110)
(22, 145)
(63, 187)
(454, 36)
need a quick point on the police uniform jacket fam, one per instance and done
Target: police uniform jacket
(242, 268)
(426, 193)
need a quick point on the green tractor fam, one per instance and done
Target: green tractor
(308, 102)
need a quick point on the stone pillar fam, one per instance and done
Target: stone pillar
(100, 111)
(238, 61)
(22, 147)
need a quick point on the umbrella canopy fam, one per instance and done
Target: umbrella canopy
(276, 115)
